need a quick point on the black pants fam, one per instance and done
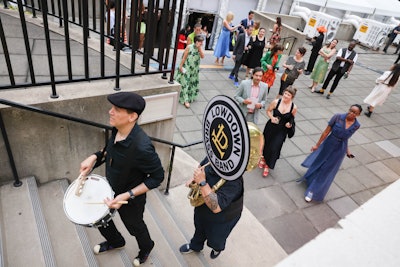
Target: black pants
(132, 216)
(311, 61)
(397, 60)
(338, 73)
(389, 42)
(284, 85)
(215, 233)
(238, 63)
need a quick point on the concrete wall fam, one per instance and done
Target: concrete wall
(289, 29)
(51, 148)
(345, 32)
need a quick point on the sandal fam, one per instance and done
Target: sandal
(261, 163)
(266, 171)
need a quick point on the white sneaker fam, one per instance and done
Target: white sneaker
(309, 196)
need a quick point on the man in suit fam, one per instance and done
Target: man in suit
(316, 46)
(240, 48)
(247, 22)
(251, 95)
(345, 59)
(391, 38)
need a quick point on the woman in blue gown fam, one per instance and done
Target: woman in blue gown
(328, 154)
(222, 47)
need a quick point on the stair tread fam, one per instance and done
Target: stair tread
(249, 244)
(20, 229)
(64, 237)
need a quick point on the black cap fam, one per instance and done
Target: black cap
(128, 100)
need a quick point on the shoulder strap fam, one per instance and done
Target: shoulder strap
(279, 102)
(291, 108)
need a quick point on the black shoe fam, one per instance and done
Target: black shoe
(368, 114)
(307, 72)
(328, 96)
(104, 247)
(185, 249)
(319, 92)
(214, 254)
(142, 257)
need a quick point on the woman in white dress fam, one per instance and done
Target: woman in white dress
(384, 85)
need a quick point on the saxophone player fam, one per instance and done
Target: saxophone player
(222, 208)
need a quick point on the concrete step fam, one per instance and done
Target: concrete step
(89, 237)
(249, 244)
(26, 241)
(69, 240)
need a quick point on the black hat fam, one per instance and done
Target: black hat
(128, 100)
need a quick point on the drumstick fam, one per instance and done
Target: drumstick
(119, 202)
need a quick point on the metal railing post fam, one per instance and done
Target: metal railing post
(178, 28)
(17, 182)
(171, 164)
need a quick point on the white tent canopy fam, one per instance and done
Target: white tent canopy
(390, 8)
(360, 6)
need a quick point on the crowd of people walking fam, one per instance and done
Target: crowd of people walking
(260, 52)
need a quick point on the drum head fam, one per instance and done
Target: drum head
(78, 208)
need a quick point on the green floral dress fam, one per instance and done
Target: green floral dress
(190, 79)
(321, 68)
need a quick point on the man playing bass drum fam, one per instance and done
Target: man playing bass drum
(215, 219)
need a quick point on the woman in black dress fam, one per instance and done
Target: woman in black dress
(281, 113)
(256, 49)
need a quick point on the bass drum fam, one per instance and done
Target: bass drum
(86, 208)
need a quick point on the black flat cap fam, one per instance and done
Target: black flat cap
(128, 100)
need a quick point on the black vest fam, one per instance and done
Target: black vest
(336, 64)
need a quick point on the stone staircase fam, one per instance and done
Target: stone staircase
(34, 231)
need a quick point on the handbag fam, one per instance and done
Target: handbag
(284, 76)
(245, 56)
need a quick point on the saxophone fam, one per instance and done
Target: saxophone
(256, 146)
(195, 197)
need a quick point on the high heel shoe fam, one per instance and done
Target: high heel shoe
(266, 171)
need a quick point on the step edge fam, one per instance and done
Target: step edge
(82, 235)
(45, 242)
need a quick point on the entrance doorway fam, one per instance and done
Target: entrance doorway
(205, 19)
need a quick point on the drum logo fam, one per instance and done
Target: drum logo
(226, 137)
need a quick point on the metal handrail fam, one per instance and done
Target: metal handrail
(66, 9)
(17, 182)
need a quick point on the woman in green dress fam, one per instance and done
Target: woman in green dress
(188, 72)
(321, 68)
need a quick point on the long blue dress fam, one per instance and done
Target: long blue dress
(324, 163)
(222, 47)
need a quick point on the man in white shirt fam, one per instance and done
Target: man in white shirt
(345, 59)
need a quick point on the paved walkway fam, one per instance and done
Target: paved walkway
(277, 201)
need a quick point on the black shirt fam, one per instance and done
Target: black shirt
(132, 161)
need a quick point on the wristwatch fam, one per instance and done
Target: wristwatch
(131, 195)
(202, 183)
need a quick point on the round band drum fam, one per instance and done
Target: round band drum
(87, 207)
